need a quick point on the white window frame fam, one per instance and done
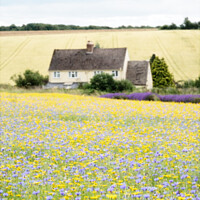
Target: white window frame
(73, 74)
(98, 72)
(56, 74)
(115, 73)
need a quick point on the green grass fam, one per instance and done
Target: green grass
(13, 89)
(180, 48)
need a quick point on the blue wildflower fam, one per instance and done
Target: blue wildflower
(49, 197)
(5, 194)
(146, 196)
(123, 186)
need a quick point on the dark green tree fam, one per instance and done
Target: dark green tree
(103, 82)
(173, 26)
(29, 79)
(152, 58)
(123, 85)
(164, 27)
(187, 24)
(162, 78)
(197, 82)
(106, 82)
(13, 27)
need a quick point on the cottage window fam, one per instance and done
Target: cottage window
(73, 74)
(56, 74)
(97, 72)
(115, 73)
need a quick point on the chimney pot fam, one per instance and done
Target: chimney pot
(90, 47)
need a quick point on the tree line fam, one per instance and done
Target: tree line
(48, 27)
(187, 24)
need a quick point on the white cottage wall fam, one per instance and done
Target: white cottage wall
(149, 84)
(82, 76)
(125, 65)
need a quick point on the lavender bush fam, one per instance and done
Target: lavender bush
(179, 98)
(139, 96)
(133, 96)
(147, 95)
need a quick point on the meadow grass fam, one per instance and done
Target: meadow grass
(162, 91)
(180, 48)
(62, 146)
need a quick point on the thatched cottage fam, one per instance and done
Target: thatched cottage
(70, 67)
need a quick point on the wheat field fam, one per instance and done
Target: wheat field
(180, 48)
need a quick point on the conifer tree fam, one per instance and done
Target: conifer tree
(162, 78)
(152, 58)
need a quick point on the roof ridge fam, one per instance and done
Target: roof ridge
(86, 49)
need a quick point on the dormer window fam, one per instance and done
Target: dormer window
(56, 74)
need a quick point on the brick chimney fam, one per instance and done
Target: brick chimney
(90, 47)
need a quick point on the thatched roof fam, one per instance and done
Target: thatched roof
(137, 72)
(78, 59)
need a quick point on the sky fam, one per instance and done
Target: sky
(111, 13)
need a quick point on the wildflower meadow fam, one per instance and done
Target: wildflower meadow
(61, 146)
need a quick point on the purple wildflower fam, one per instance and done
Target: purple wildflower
(144, 188)
(78, 193)
(5, 194)
(123, 186)
(137, 195)
(184, 176)
(62, 193)
(49, 197)
(146, 196)
(138, 180)
(165, 184)
(36, 192)
(194, 186)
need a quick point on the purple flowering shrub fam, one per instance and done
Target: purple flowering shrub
(152, 96)
(139, 96)
(133, 96)
(179, 98)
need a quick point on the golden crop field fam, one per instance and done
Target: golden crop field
(180, 48)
